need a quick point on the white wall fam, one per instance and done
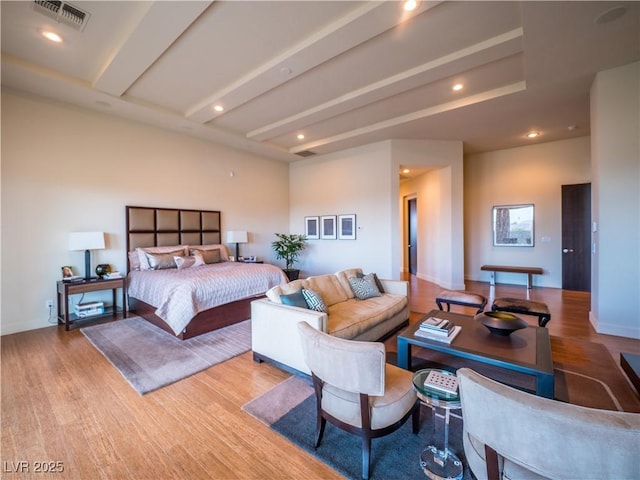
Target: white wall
(356, 181)
(615, 127)
(532, 174)
(439, 200)
(66, 169)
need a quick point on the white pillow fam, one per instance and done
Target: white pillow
(194, 260)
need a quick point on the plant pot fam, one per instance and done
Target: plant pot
(291, 273)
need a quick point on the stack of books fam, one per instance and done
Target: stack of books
(438, 329)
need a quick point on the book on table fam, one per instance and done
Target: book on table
(439, 337)
(437, 326)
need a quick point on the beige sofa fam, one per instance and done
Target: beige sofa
(274, 331)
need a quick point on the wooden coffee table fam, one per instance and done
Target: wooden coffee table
(526, 351)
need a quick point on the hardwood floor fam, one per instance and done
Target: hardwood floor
(63, 402)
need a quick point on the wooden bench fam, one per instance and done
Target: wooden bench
(530, 271)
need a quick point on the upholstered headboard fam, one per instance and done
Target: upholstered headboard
(156, 227)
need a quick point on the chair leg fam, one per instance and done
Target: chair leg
(322, 422)
(366, 455)
(415, 417)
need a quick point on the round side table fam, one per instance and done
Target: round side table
(438, 464)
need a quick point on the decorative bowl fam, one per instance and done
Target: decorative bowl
(501, 323)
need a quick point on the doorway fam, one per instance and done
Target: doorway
(412, 235)
(576, 237)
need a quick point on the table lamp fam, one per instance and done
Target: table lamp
(86, 241)
(237, 237)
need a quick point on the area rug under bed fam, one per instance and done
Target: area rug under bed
(150, 358)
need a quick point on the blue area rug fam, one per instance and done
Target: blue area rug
(396, 456)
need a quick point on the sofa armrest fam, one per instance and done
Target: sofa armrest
(274, 331)
(398, 287)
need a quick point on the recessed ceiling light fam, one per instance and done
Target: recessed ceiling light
(300, 136)
(533, 134)
(218, 108)
(410, 5)
(458, 86)
(52, 36)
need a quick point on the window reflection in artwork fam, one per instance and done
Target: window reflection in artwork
(513, 225)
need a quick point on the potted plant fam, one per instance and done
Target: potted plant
(289, 247)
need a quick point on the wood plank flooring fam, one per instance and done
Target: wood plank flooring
(63, 402)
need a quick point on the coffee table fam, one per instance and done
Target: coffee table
(526, 351)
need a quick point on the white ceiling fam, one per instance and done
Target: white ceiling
(342, 73)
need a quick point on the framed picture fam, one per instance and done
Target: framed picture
(328, 227)
(513, 225)
(346, 227)
(312, 228)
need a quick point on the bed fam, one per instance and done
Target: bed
(207, 292)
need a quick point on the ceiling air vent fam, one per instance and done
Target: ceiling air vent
(62, 12)
(306, 153)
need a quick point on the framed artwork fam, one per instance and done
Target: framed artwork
(328, 227)
(312, 228)
(346, 227)
(513, 225)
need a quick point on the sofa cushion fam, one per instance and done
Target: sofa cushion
(351, 318)
(375, 279)
(343, 277)
(328, 287)
(364, 287)
(314, 300)
(295, 299)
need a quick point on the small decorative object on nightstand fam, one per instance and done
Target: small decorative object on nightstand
(103, 269)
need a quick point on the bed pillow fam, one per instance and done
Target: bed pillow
(210, 255)
(178, 250)
(160, 261)
(295, 299)
(134, 261)
(364, 287)
(194, 260)
(314, 301)
(375, 279)
(224, 253)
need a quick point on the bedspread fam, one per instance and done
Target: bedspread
(179, 295)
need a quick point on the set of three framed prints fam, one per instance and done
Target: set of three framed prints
(330, 227)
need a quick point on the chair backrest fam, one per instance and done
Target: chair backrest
(548, 437)
(354, 366)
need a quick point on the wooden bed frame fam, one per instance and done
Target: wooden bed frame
(156, 227)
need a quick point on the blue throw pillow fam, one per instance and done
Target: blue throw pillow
(295, 299)
(364, 287)
(314, 301)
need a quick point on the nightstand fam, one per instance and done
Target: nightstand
(65, 289)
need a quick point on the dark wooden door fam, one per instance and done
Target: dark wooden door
(412, 235)
(576, 237)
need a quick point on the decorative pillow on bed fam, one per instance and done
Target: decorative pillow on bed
(364, 287)
(194, 260)
(161, 261)
(179, 250)
(209, 256)
(375, 279)
(314, 301)
(224, 253)
(295, 299)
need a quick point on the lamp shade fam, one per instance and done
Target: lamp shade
(237, 236)
(86, 240)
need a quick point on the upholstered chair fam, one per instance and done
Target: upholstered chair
(356, 390)
(511, 434)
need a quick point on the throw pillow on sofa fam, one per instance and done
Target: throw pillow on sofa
(314, 300)
(364, 287)
(295, 299)
(375, 278)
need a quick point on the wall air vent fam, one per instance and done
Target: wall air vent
(62, 12)
(306, 153)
